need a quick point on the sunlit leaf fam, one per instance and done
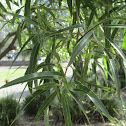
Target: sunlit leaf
(124, 41)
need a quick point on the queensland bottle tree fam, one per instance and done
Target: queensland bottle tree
(84, 32)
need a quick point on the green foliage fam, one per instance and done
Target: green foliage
(9, 108)
(82, 33)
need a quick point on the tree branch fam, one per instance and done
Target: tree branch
(9, 48)
(6, 39)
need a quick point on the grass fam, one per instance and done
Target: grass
(8, 75)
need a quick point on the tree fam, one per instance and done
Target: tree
(86, 30)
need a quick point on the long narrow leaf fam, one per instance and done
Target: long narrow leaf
(124, 40)
(115, 76)
(45, 105)
(33, 76)
(82, 43)
(33, 58)
(116, 26)
(27, 8)
(66, 111)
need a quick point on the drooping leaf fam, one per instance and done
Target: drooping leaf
(45, 105)
(66, 111)
(2, 7)
(69, 2)
(82, 43)
(33, 76)
(94, 99)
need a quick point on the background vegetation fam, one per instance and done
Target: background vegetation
(81, 32)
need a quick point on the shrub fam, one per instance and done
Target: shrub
(34, 105)
(9, 108)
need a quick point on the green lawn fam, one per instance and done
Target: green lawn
(11, 74)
